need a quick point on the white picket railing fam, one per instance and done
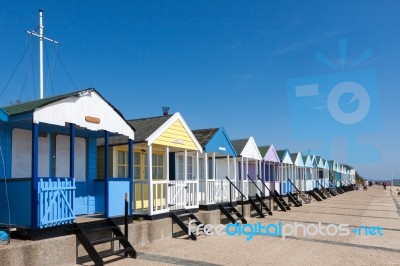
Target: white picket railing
(183, 194)
(177, 194)
(207, 191)
(244, 187)
(192, 190)
(309, 185)
(253, 189)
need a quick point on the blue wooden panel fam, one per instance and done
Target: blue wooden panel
(99, 195)
(19, 194)
(92, 175)
(116, 191)
(35, 170)
(220, 143)
(252, 172)
(81, 198)
(85, 196)
(289, 186)
(284, 187)
(3, 148)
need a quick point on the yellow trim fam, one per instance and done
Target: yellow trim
(176, 136)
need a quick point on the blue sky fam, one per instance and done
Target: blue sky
(234, 64)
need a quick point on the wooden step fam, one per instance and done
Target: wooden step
(107, 253)
(106, 240)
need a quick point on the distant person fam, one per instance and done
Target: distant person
(384, 185)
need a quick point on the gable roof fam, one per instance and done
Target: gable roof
(239, 145)
(297, 159)
(32, 105)
(203, 136)
(284, 156)
(149, 129)
(247, 148)
(269, 153)
(263, 149)
(79, 108)
(307, 161)
(320, 162)
(176, 118)
(144, 127)
(215, 140)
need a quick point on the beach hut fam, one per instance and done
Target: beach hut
(335, 174)
(165, 168)
(48, 148)
(314, 170)
(217, 162)
(299, 170)
(270, 167)
(326, 174)
(308, 175)
(286, 171)
(352, 175)
(249, 162)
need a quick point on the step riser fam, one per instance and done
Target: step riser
(99, 240)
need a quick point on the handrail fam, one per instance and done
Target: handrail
(264, 184)
(262, 194)
(320, 184)
(235, 187)
(332, 185)
(293, 185)
(230, 193)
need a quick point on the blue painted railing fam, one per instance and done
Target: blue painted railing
(56, 201)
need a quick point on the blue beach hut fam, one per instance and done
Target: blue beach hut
(286, 171)
(217, 161)
(48, 147)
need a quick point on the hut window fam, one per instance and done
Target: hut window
(180, 163)
(122, 163)
(136, 165)
(158, 166)
(140, 165)
(190, 175)
(201, 168)
(181, 167)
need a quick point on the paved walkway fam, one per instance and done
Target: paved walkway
(360, 210)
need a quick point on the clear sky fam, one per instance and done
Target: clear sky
(311, 76)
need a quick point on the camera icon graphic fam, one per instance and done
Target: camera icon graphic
(336, 105)
(359, 93)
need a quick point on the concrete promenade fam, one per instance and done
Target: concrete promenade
(374, 207)
(366, 212)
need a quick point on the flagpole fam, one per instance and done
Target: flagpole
(41, 38)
